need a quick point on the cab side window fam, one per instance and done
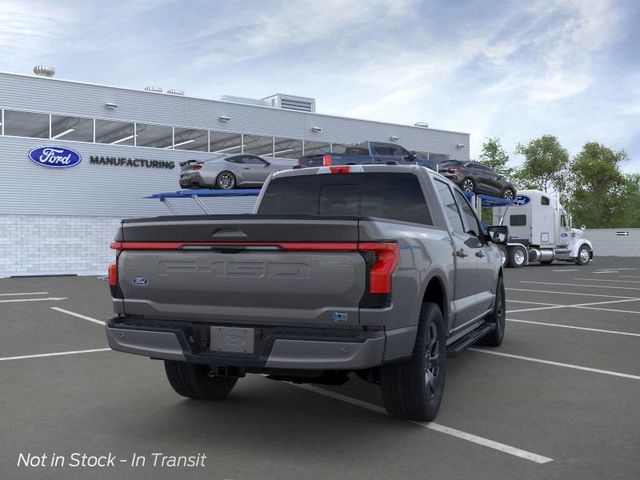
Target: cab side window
(469, 218)
(450, 207)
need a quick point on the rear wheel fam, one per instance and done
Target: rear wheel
(225, 180)
(412, 389)
(468, 185)
(196, 381)
(516, 257)
(497, 317)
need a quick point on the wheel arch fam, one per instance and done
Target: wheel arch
(436, 292)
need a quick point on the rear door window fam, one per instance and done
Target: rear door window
(394, 196)
(450, 207)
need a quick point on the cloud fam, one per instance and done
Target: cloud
(29, 29)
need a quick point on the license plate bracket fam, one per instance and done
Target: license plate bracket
(232, 339)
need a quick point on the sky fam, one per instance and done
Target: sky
(508, 69)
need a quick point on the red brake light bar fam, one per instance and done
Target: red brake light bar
(342, 169)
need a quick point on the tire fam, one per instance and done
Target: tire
(225, 180)
(503, 254)
(193, 381)
(508, 193)
(468, 185)
(584, 255)
(412, 389)
(516, 257)
(497, 317)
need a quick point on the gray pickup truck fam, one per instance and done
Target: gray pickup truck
(377, 270)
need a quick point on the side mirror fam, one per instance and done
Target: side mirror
(411, 156)
(498, 234)
(583, 228)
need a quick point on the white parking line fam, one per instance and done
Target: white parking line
(573, 327)
(611, 310)
(580, 285)
(48, 299)
(485, 442)
(600, 279)
(533, 303)
(56, 354)
(568, 293)
(557, 364)
(73, 314)
(577, 305)
(629, 276)
(23, 293)
(566, 270)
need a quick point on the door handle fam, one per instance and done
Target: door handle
(461, 253)
(480, 254)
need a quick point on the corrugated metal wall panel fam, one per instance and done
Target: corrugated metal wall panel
(613, 242)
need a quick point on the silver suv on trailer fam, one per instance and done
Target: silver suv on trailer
(377, 270)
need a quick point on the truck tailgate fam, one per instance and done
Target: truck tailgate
(245, 269)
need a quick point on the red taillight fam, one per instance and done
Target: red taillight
(386, 261)
(113, 274)
(342, 169)
(326, 159)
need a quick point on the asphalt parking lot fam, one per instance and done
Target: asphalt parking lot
(559, 399)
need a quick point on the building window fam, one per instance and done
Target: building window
(71, 128)
(258, 145)
(26, 124)
(287, 148)
(226, 143)
(115, 133)
(338, 148)
(157, 136)
(316, 148)
(191, 139)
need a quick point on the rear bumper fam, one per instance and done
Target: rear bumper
(276, 348)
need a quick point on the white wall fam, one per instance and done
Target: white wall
(607, 242)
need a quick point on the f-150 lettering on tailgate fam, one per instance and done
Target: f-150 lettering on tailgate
(236, 269)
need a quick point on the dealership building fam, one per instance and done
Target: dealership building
(119, 145)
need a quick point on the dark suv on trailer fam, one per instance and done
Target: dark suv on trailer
(475, 177)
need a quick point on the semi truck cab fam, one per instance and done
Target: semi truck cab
(541, 231)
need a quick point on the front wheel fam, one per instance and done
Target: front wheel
(508, 193)
(412, 389)
(584, 255)
(226, 180)
(516, 257)
(197, 382)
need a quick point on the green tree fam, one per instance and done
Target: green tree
(545, 164)
(599, 191)
(495, 157)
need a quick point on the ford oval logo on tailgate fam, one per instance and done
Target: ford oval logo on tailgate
(140, 281)
(55, 157)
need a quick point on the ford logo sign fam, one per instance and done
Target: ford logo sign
(140, 281)
(55, 157)
(521, 200)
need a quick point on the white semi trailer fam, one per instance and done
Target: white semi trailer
(540, 231)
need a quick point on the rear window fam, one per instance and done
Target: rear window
(396, 196)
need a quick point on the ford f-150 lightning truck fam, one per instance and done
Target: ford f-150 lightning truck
(377, 270)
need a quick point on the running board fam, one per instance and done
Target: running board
(469, 339)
